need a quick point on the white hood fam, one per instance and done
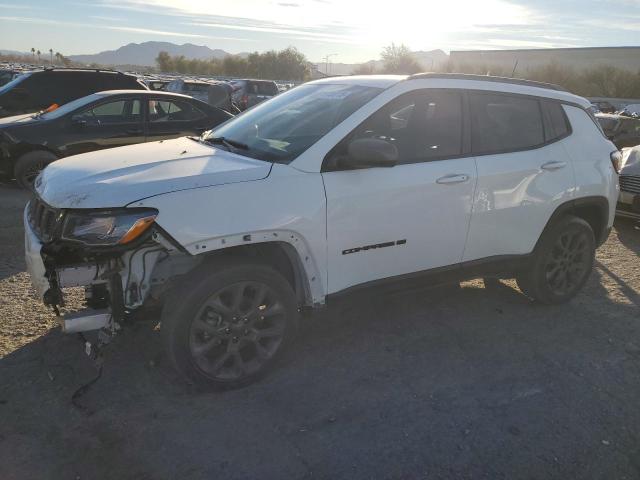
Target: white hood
(118, 176)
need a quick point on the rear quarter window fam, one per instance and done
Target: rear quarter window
(263, 88)
(557, 125)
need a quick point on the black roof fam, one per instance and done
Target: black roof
(488, 78)
(76, 69)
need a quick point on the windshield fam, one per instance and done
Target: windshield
(14, 82)
(71, 106)
(282, 128)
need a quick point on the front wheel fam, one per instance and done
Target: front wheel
(227, 325)
(29, 166)
(561, 263)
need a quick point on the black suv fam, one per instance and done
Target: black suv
(38, 89)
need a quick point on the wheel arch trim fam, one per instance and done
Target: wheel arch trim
(573, 207)
(306, 270)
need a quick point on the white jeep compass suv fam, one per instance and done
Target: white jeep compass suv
(334, 185)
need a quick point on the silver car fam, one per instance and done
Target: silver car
(629, 201)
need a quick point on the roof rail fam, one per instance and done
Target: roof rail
(49, 68)
(487, 78)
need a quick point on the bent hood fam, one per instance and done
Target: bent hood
(119, 176)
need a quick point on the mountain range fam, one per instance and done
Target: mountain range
(144, 54)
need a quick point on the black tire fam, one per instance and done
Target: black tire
(29, 165)
(561, 263)
(218, 340)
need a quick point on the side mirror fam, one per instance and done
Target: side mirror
(78, 121)
(371, 152)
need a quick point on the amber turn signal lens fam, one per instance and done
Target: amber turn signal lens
(137, 229)
(51, 108)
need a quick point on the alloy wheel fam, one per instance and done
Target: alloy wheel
(568, 262)
(237, 330)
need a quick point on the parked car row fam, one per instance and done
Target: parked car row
(101, 120)
(54, 113)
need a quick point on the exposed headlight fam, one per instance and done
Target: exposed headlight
(107, 227)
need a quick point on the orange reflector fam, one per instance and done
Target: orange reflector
(51, 108)
(137, 229)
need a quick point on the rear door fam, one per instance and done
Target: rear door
(174, 118)
(524, 172)
(110, 123)
(414, 216)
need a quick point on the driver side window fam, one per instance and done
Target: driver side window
(120, 111)
(423, 125)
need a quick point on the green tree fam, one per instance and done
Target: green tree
(399, 59)
(165, 62)
(235, 66)
(33, 53)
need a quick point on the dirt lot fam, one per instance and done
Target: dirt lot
(447, 383)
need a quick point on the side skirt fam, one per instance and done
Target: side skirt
(505, 266)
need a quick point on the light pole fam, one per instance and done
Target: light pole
(326, 62)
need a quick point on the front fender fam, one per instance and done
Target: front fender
(288, 206)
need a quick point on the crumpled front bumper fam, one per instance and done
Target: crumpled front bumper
(33, 258)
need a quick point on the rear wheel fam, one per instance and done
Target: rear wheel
(29, 166)
(227, 327)
(561, 263)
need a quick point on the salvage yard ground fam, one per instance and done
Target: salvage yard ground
(445, 383)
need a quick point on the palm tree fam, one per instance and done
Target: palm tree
(51, 55)
(59, 57)
(38, 53)
(33, 53)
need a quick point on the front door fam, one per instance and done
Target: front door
(109, 124)
(414, 216)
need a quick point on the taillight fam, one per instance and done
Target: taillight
(616, 160)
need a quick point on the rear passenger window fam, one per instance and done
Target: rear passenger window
(558, 124)
(163, 111)
(500, 123)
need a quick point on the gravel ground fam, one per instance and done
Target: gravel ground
(447, 383)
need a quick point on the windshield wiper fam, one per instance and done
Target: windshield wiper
(227, 143)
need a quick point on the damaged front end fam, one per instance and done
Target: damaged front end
(121, 257)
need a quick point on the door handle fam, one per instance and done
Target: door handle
(455, 178)
(553, 165)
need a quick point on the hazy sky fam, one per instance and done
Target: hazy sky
(355, 29)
